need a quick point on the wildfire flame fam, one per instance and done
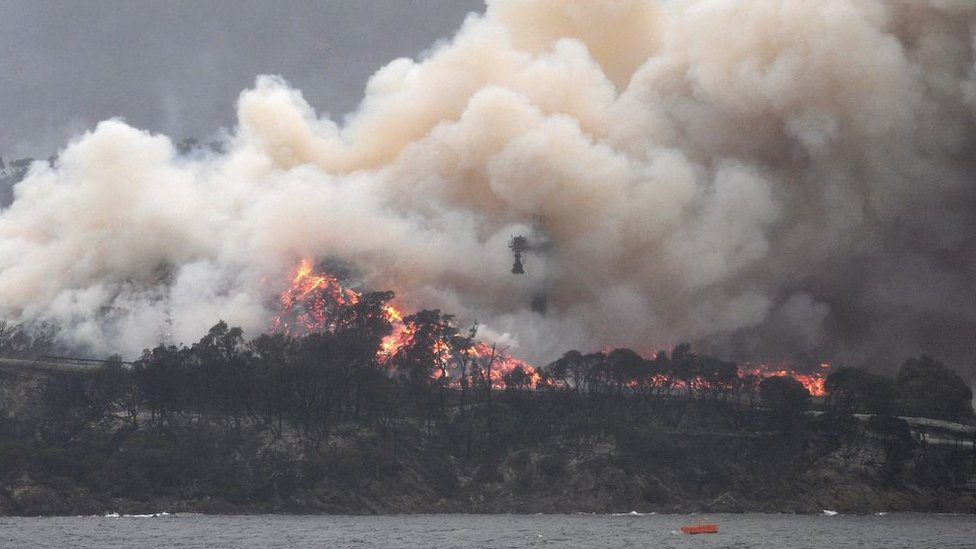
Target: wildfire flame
(310, 302)
(813, 381)
(312, 299)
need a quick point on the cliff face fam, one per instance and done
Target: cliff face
(672, 457)
(205, 469)
(725, 472)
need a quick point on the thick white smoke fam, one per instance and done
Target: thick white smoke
(763, 178)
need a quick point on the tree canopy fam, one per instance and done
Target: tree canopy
(928, 388)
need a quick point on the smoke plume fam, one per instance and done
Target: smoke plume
(763, 178)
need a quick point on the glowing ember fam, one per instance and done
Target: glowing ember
(312, 300)
(503, 364)
(813, 381)
(398, 338)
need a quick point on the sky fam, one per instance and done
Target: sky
(178, 67)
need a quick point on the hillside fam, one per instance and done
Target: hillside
(521, 452)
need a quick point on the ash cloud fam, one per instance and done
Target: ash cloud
(765, 179)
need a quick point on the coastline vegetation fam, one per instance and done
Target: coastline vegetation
(326, 422)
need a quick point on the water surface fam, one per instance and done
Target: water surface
(916, 531)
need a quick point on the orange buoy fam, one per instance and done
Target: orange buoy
(700, 529)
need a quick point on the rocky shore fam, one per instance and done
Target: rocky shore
(362, 471)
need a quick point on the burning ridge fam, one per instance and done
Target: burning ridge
(314, 300)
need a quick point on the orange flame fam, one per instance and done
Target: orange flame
(814, 381)
(311, 301)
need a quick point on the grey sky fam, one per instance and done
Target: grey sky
(178, 66)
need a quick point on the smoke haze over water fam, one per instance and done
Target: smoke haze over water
(761, 178)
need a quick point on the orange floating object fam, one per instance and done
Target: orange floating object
(700, 529)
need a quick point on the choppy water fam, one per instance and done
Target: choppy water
(916, 531)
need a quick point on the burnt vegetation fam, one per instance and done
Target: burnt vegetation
(330, 421)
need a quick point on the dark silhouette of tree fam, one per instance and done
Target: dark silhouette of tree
(517, 379)
(626, 368)
(482, 374)
(926, 387)
(851, 390)
(73, 403)
(119, 390)
(271, 355)
(462, 349)
(684, 364)
(748, 389)
(662, 373)
(896, 440)
(596, 373)
(313, 377)
(425, 356)
(703, 375)
(223, 373)
(569, 372)
(163, 377)
(786, 398)
(715, 378)
(361, 329)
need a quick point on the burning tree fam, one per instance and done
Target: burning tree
(311, 303)
(424, 346)
(428, 351)
(425, 355)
